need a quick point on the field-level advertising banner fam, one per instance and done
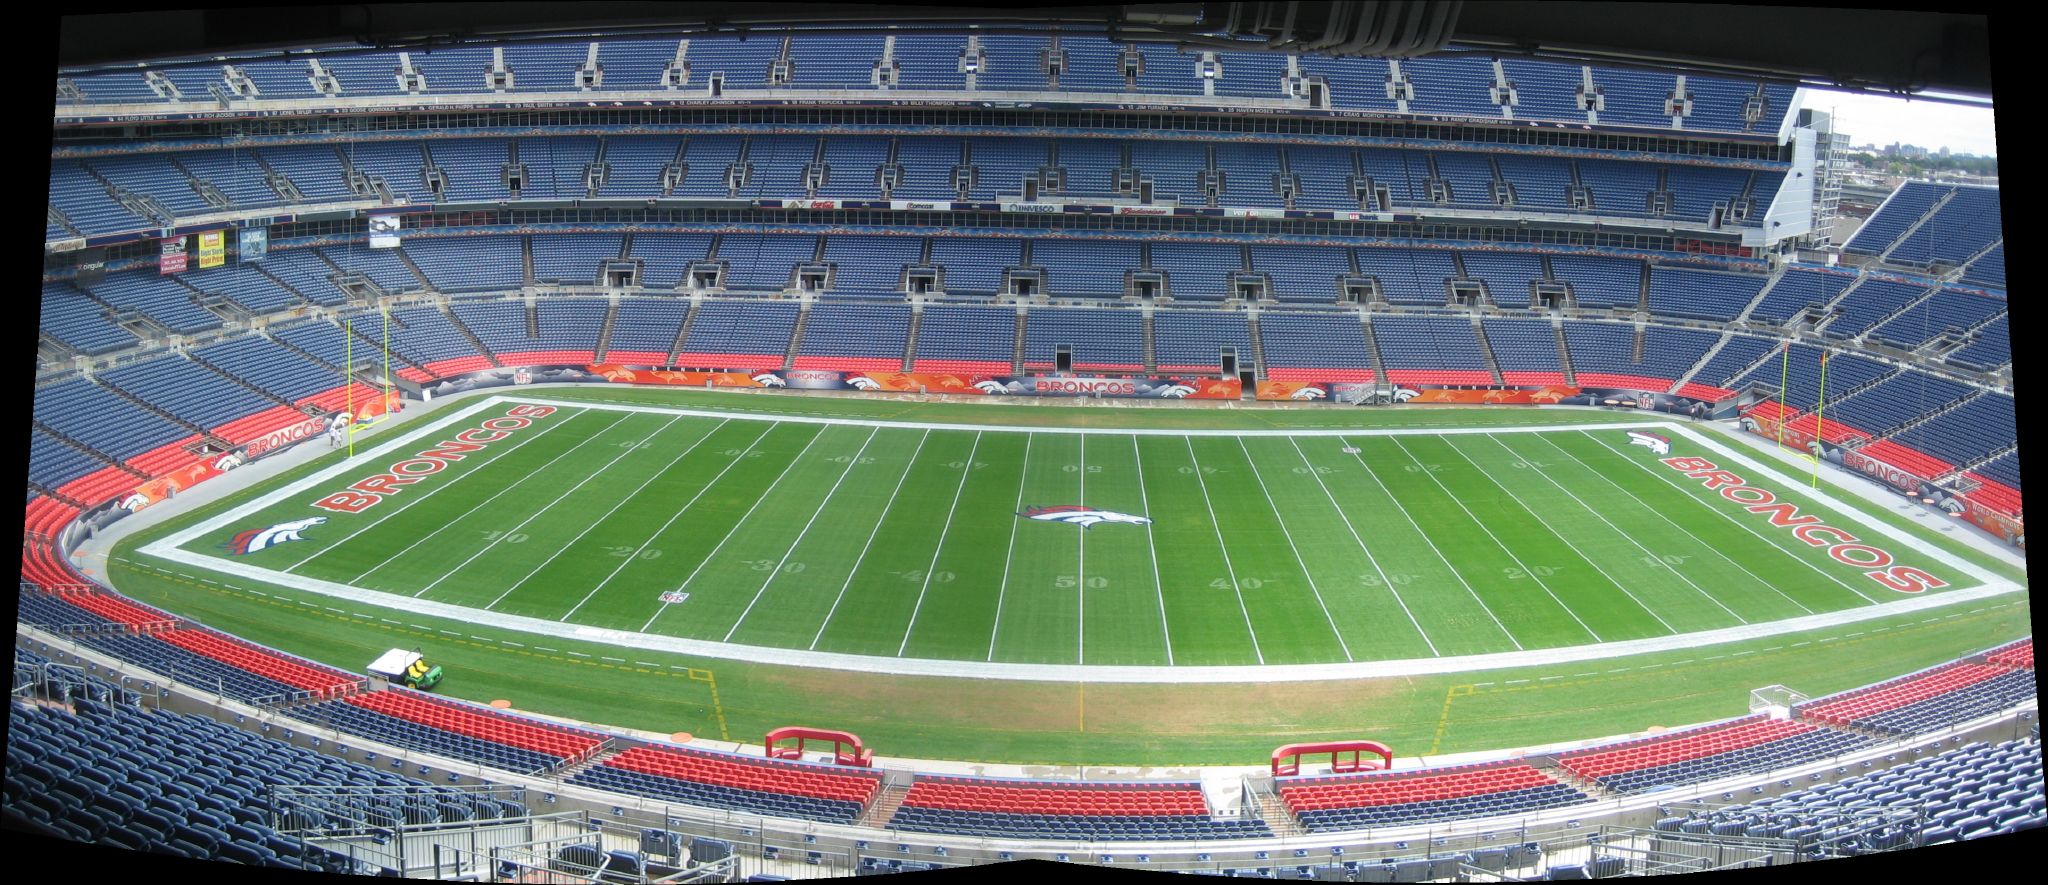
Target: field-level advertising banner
(1350, 392)
(2004, 525)
(171, 258)
(212, 249)
(1653, 401)
(252, 243)
(384, 231)
(165, 487)
(919, 382)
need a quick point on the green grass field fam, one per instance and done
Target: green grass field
(899, 541)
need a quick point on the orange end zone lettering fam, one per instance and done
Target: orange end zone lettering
(1906, 579)
(345, 502)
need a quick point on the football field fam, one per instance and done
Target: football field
(1048, 545)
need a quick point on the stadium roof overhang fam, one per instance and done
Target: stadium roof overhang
(1887, 50)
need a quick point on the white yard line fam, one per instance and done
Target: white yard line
(1496, 540)
(1591, 560)
(628, 560)
(1305, 572)
(1703, 542)
(1081, 566)
(777, 570)
(1432, 545)
(736, 526)
(615, 508)
(407, 504)
(1384, 580)
(1151, 548)
(416, 542)
(879, 519)
(965, 469)
(621, 456)
(1223, 548)
(1003, 589)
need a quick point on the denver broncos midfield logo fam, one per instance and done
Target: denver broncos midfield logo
(258, 539)
(1075, 514)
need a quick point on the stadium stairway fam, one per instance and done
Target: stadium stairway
(884, 805)
(468, 335)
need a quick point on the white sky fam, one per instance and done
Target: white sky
(1883, 119)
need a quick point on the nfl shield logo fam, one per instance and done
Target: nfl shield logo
(674, 596)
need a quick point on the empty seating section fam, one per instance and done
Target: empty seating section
(1309, 347)
(974, 266)
(1525, 351)
(1254, 74)
(855, 338)
(1701, 295)
(96, 417)
(1893, 402)
(1955, 232)
(321, 339)
(1602, 355)
(666, 258)
(245, 284)
(1249, 171)
(645, 329)
(928, 165)
(1869, 302)
(1947, 310)
(1409, 276)
(163, 299)
(1084, 268)
(2004, 470)
(1739, 353)
(299, 674)
(1175, 169)
(1966, 433)
(1013, 62)
(871, 266)
(456, 69)
(968, 340)
(1988, 270)
(1800, 288)
(1355, 83)
(182, 665)
(1470, 177)
(1192, 342)
(1104, 339)
(636, 162)
(500, 325)
(708, 158)
(475, 168)
(572, 259)
(469, 264)
(1451, 86)
(1967, 792)
(52, 463)
(1927, 700)
(933, 61)
(1507, 275)
(1002, 164)
(1600, 282)
(548, 67)
(1801, 374)
(1300, 274)
(180, 785)
(1619, 188)
(2018, 655)
(764, 262)
(1325, 174)
(1697, 191)
(776, 165)
(263, 363)
(1989, 348)
(1430, 350)
(304, 272)
(738, 335)
(1351, 802)
(569, 329)
(1544, 91)
(735, 782)
(1745, 746)
(387, 270)
(1542, 184)
(400, 166)
(1197, 271)
(422, 335)
(1900, 211)
(153, 176)
(560, 744)
(850, 165)
(311, 168)
(72, 317)
(1055, 810)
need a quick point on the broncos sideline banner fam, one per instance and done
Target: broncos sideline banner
(919, 382)
(2013, 530)
(165, 487)
(1425, 394)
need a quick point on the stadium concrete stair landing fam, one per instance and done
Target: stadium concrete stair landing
(1564, 352)
(1486, 350)
(1274, 812)
(683, 331)
(1251, 324)
(1150, 349)
(1372, 346)
(796, 335)
(910, 338)
(887, 800)
(604, 337)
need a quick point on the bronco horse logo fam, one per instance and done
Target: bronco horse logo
(259, 539)
(1075, 514)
